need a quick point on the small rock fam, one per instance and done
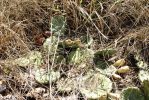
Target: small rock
(10, 97)
(45, 95)
(39, 90)
(2, 86)
(1, 97)
(116, 77)
(114, 96)
(71, 97)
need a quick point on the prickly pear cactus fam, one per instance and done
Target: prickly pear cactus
(79, 56)
(143, 72)
(95, 85)
(101, 55)
(50, 44)
(143, 75)
(60, 59)
(103, 65)
(142, 64)
(105, 52)
(58, 24)
(87, 40)
(87, 55)
(109, 70)
(33, 58)
(73, 44)
(74, 57)
(132, 93)
(44, 77)
(146, 89)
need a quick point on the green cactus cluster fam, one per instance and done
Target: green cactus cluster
(93, 84)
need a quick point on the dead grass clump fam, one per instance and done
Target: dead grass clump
(99, 18)
(12, 41)
(102, 18)
(131, 12)
(19, 22)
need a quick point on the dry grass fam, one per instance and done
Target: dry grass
(106, 20)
